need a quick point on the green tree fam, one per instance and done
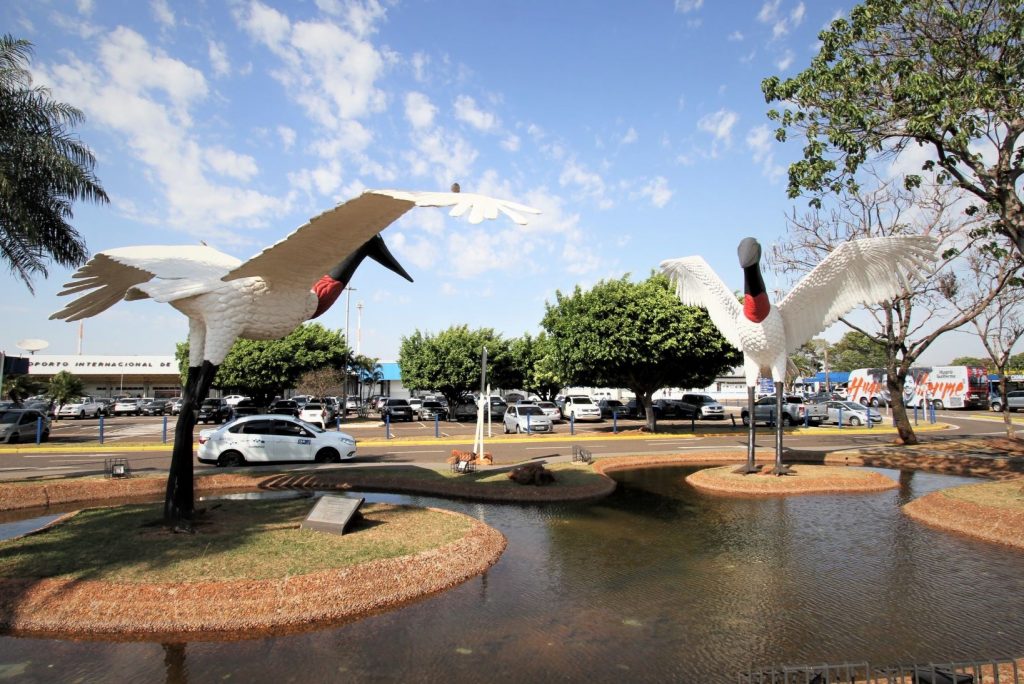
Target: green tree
(19, 387)
(970, 361)
(946, 75)
(367, 370)
(856, 350)
(809, 357)
(533, 359)
(64, 387)
(635, 335)
(263, 369)
(449, 362)
(43, 169)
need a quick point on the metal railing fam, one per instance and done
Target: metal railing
(966, 672)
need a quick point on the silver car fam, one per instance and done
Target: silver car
(1014, 401)
(852, 412)
(21, 425)
(526, 418)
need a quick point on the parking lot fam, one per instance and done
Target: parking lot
(135, 429)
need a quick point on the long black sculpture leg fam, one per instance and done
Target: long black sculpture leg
(749, 466)
(779, 468)
(179, 501)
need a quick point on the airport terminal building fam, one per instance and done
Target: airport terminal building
(113, 376)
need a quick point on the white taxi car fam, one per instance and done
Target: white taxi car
(271, 438)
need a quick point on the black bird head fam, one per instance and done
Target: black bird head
(749, 252)
(376, 250)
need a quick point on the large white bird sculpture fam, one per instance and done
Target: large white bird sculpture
(858, 272)
(263, 298)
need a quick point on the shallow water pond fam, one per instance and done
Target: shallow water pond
(657, 582)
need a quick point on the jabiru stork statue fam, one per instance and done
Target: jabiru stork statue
(856, 273)
(264, 298)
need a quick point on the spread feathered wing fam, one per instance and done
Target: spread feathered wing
(327, 239)
(859, 272)
(164, 272)
(698, 285)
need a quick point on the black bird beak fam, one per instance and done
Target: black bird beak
(376, 250)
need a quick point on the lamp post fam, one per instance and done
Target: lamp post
(348, 342)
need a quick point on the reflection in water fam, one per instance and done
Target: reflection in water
(657, 582)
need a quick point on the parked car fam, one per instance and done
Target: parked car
(155, 407)
(415, 403)
(245, 407)
(613, 408)
(285, 407)
(465, 409)
(127, 407)
(21, 425)
(233, 399)
(852, 412)
(396, 409)
(264, 439)
(794, 411)
(550, 410)
(352, 403)
(580, 407)
(707, 406)
(213, 411)
(82, 407)
(431, 408)
(497, 406)
(1014, 401)
(316, 413)
(380, 403)
(673, 408)
(176, 405)
(526, 418)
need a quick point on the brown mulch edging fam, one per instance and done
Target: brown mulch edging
(230, 608)
(997, 458)
(802, 479)
(947, 511)
(19, 495)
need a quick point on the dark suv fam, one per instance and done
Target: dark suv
(397, 409)
(285, 407)
(213, 411)
(245, 407)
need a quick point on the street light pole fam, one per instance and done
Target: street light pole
(348, 340)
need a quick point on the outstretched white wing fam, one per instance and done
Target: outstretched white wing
(315, 248)
(697, 285)
(164, 272)
(866, 271)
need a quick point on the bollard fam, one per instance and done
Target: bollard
(437, 425)
(840, 417)
(39, 430)
(807, 418)
(101, 429)
(572, 423)
(527, 423)
(615, 422)
(163, 435)
(387, 426)
(337, 423)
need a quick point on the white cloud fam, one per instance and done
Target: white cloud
(228, 163)
(419, 63)
(162, 12)
(630, 137)
(467, 111)
(447, 156)
(719, 125)
(418, 110)
(146, 98)
(219, 59)
(769, 11)
(785, 60)
(588, 182)
(657, 190)
(759, 141)
(684, 6)
(510, 143)
(287, 136)
(735, 37)
(781, 24)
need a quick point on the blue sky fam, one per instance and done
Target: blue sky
(638, 128)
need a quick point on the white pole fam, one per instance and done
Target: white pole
(359, 328)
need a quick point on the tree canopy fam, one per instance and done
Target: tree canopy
(64, 387)
(449, 362)
(534, 358)
(856, 350)
(635, 335)
(265, 368)
(944, 74)
(43, 169)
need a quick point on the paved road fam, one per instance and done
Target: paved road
(73, 448)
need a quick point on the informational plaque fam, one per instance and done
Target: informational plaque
(332, 513)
